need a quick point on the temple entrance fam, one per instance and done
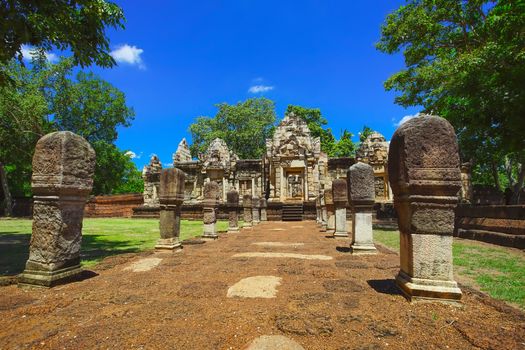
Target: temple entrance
(295, 185)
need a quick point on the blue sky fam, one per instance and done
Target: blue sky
(180, 58)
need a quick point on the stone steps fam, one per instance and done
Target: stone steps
(292, 212)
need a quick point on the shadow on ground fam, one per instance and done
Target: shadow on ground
(14, 250)
(387, 286)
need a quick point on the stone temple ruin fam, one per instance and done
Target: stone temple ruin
(291, 174)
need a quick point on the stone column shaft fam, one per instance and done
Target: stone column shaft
(340, 198)
(209, 210)
(171, 197)
(247, 207)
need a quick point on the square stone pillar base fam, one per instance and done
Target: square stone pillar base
(417, 289)
(358, 249)
(48, 279)
(168, 244)
(210, 232)
(233, 229)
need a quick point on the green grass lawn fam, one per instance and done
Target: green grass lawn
(100, 238)
(498, 271)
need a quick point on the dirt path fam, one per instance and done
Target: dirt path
(345, 302)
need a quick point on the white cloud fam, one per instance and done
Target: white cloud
(133, 155)
(256, 89)
(27, 53)
(405, 119)
(128, 54)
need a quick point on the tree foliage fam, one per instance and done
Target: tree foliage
(244, 127)
(49, 97)
(465, 61)
(77, 25)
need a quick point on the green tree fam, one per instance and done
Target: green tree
(244, 127)
(465, 61)
(365, 133)
(77, 25)
(49, 97)
(315, 121)
(344, 147)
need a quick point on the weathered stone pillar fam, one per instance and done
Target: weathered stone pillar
(330, 210)
(233, 207)
(63, 167)
(361, 195)
(256, 214)
(212, 192)
(339, 192)
(247, 206)
(423, 166)
(171, 196)
(264, 205)
(324, 216)
(318, 209)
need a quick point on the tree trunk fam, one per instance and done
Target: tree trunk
(516, 189)
(8, 203)
(495, 175)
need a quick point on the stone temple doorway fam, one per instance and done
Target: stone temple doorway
(294, 185)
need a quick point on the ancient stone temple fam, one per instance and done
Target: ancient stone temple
(374, 151)
(291, 174)
(151, 176)
(292, 161)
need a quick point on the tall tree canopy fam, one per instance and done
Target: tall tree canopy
(49, 97)
(465, 61)
(244, 126)
(77, 25)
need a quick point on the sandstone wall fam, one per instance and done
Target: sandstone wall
(498, 224)
(120, 205)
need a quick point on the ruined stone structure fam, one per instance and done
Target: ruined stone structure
(374, 152)
(466, 183)
(292, 173)
(63, 168)
(361, 195)
(292, 159)
(171, 197)
(151, 176)
(425, 177)
(212, 192)
(233, 207)
(340, 198)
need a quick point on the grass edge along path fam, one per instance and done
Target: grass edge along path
(497, 271)
(101, 237)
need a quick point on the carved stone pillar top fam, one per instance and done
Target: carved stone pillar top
(340, 194)
(256, 202)
(63, 164)
(328, 196)
(263, 203)
(247, 201)
(171, 190)
(212, 193)
(425, 176)
(361, 188)
(232, 198)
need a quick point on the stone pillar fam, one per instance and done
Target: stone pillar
(233, 207)
(63, 167)
(466, 183)
(361, 195)
(330, 210)
(209, 207)
(317, 210)
(324, 215)
(339, 193)
(256, 206)
(247, 206)
(171, 196)
(264, 205)
(425, 178)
